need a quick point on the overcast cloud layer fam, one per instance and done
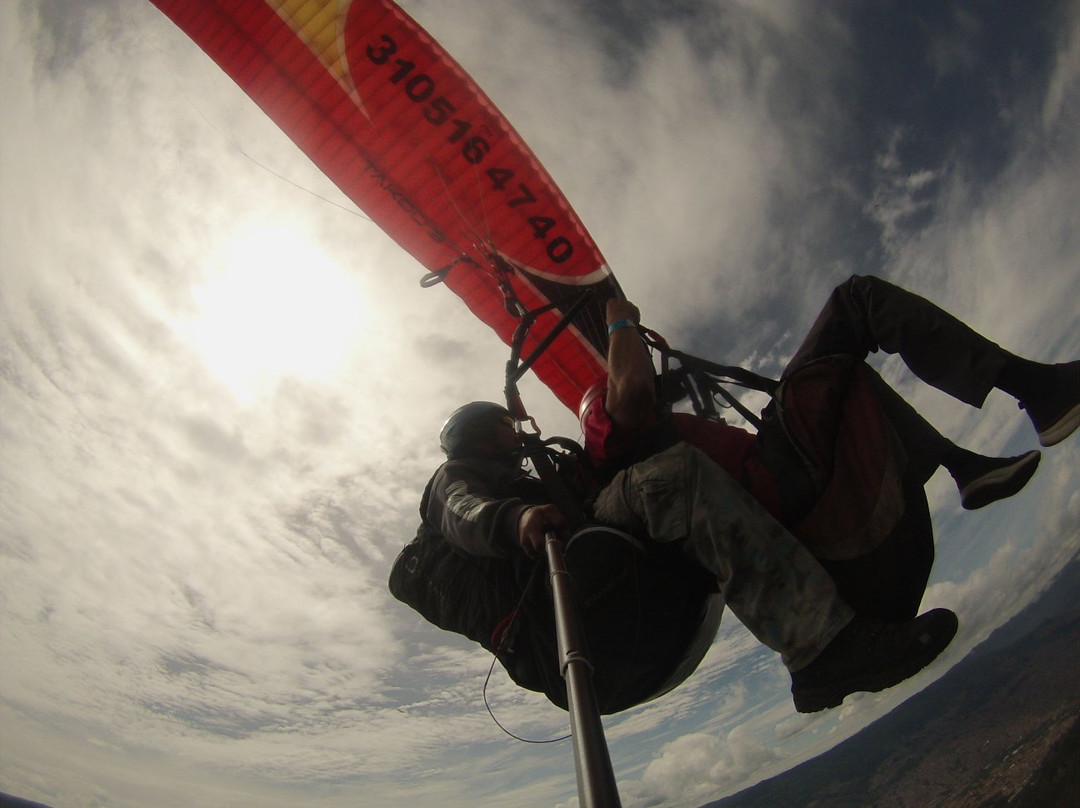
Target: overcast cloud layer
(220, 386)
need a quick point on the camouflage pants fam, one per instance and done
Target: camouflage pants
(768, 579)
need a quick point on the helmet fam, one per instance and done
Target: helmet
(471, 430)
(592, 396)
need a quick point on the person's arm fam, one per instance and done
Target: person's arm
(533, 527)
(631, 393)
(465, 510)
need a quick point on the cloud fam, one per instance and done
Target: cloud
(1058, 100)
(901, 194)
(695, 767)
(194, 579)
(1043, 538)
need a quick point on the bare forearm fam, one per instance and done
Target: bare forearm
(631, 395)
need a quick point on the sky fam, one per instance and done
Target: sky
(221, 386)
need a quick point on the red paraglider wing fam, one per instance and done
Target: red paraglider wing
(399, 126)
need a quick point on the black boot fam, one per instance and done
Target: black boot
(1055, 410)
(869, 655)
(982, 480)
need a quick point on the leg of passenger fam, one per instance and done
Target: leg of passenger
(980, 480)
(769, 580)
(925, 448)
(1049, 393)
(866, 314)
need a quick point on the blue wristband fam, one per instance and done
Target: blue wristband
(626, 322)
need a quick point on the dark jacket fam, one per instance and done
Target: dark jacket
(487, 588)
(640, 611)
(476, 505)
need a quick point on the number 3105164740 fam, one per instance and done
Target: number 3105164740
(439, 111)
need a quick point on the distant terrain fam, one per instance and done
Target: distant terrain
(1002, 728)
(7, 801)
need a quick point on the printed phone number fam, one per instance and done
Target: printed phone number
(439, 111)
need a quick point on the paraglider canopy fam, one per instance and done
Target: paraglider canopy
(397, 124)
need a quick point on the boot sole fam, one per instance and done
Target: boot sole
(812, 700)
(1000, 483)
(1060, 429)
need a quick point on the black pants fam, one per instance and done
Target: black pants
(864, 315)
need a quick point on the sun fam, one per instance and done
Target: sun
(273, 305)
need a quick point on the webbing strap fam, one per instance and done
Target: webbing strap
(703, 380)
(535, 450)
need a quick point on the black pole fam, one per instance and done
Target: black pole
(560, 326)
(595, 775)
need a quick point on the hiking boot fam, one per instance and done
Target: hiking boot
(870, 655)
(983, 480)
(1056, 415)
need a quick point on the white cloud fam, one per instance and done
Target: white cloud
(1060, 96)
(693, 768)
(194, 580)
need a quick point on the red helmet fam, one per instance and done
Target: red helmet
(592, 395)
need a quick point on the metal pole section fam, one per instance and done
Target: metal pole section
(595, 776)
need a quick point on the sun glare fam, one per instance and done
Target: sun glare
(274, 306)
